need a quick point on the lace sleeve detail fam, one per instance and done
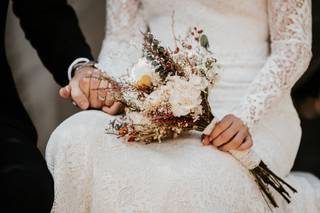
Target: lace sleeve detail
(290, 31)
(123, 40)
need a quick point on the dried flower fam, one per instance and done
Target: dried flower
(184, 97)
(140, 69)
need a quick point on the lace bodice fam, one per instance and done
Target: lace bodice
(273, 31)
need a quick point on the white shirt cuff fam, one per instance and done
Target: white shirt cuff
(78, 60)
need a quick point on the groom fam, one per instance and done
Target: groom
(52, 28)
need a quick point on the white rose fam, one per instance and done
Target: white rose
(143, 67)
(137, 118)
(184, 97)
(198, 82)
(156, 98)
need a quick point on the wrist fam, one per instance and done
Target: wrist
(83, 65)
(74, 64)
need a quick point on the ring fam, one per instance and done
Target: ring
(74, 103)
(102, 98)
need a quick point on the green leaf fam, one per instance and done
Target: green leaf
(204, 42)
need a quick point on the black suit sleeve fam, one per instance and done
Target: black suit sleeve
(53, 30)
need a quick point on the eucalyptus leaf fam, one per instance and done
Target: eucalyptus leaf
(204, 42)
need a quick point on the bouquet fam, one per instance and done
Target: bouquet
(166, 92)
(166, 95)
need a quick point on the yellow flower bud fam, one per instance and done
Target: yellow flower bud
(145, 81)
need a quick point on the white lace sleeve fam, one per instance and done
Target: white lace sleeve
(122, 45)
(290, 31)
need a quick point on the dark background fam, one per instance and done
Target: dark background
(305, 93)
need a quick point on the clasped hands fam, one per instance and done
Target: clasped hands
(87, 89)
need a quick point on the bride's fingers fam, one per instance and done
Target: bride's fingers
(236, 141)
(103, 89)
(218, 129)
(108, 102)
(221, 127)
(95, 102)
(114, 109)
(247, 144)
(84, 85)
(228, 134)
(104, 93)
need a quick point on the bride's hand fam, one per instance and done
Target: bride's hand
(113, 109)
(229, 134)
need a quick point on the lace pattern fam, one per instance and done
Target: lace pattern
(290, 31)
(123, 41)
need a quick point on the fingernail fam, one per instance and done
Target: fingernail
(202, 139)
(84, 105)
(205, 141)
(203, 136)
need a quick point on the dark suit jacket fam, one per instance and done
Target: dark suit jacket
(52, 28)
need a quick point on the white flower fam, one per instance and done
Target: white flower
(184, 97)
(143, 67)
(137, 118)
(157, 100)
(198, 82)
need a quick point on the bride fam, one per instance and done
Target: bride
(264, 47)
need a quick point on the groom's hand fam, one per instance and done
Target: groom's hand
(84, 89)
(88, 90)
(229, 134)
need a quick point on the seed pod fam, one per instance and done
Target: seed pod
(155, 63)
(150, 57)
(155, 42)
(150, 37)
(161, 49)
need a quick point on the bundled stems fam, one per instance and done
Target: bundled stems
(264, 177)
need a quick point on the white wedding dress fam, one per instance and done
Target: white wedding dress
(264, 47)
